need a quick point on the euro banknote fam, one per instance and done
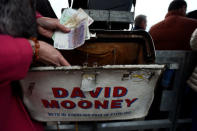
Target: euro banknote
(78, 21)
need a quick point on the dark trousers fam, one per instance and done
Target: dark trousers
(194, 112)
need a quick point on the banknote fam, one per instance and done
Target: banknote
(78, 21)
(66, 15)
(71, 40)
(73, 17)
(81, 15)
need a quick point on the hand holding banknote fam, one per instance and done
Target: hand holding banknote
(78, 22)
(47, 26)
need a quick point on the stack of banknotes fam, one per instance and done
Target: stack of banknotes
(78, 21)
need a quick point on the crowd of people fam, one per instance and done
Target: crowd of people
(174, 32)
(20, 24)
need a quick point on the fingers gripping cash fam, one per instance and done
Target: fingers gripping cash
(79, 22)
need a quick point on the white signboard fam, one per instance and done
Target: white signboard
(90, 94)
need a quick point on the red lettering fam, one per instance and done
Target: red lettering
(98, 104)
(116, 104)
(67, 104)
(129, 102)
(52, 104)
(60, 92)
(77, 93)
(117, 93)
(96, 93)
(85, 104)
(107, 92)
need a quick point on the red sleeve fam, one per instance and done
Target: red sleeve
(38, 15)
(15, 58)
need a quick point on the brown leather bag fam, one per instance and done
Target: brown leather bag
(114, 48)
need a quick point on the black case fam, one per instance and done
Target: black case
(116, 5)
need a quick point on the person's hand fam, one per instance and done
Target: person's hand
(49, 55)
(47, 26)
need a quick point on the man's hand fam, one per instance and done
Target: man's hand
(49, 55)
(47, 26)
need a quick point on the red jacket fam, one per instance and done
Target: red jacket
(174, 32)
(15, 59)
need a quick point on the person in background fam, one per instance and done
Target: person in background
(193, 41)
(45, 9)
(192, 14)
(174, 32)
(140, 22)
(18, 31)
(192, 82)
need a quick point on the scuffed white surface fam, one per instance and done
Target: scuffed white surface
(152, 66)
(110, 76)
